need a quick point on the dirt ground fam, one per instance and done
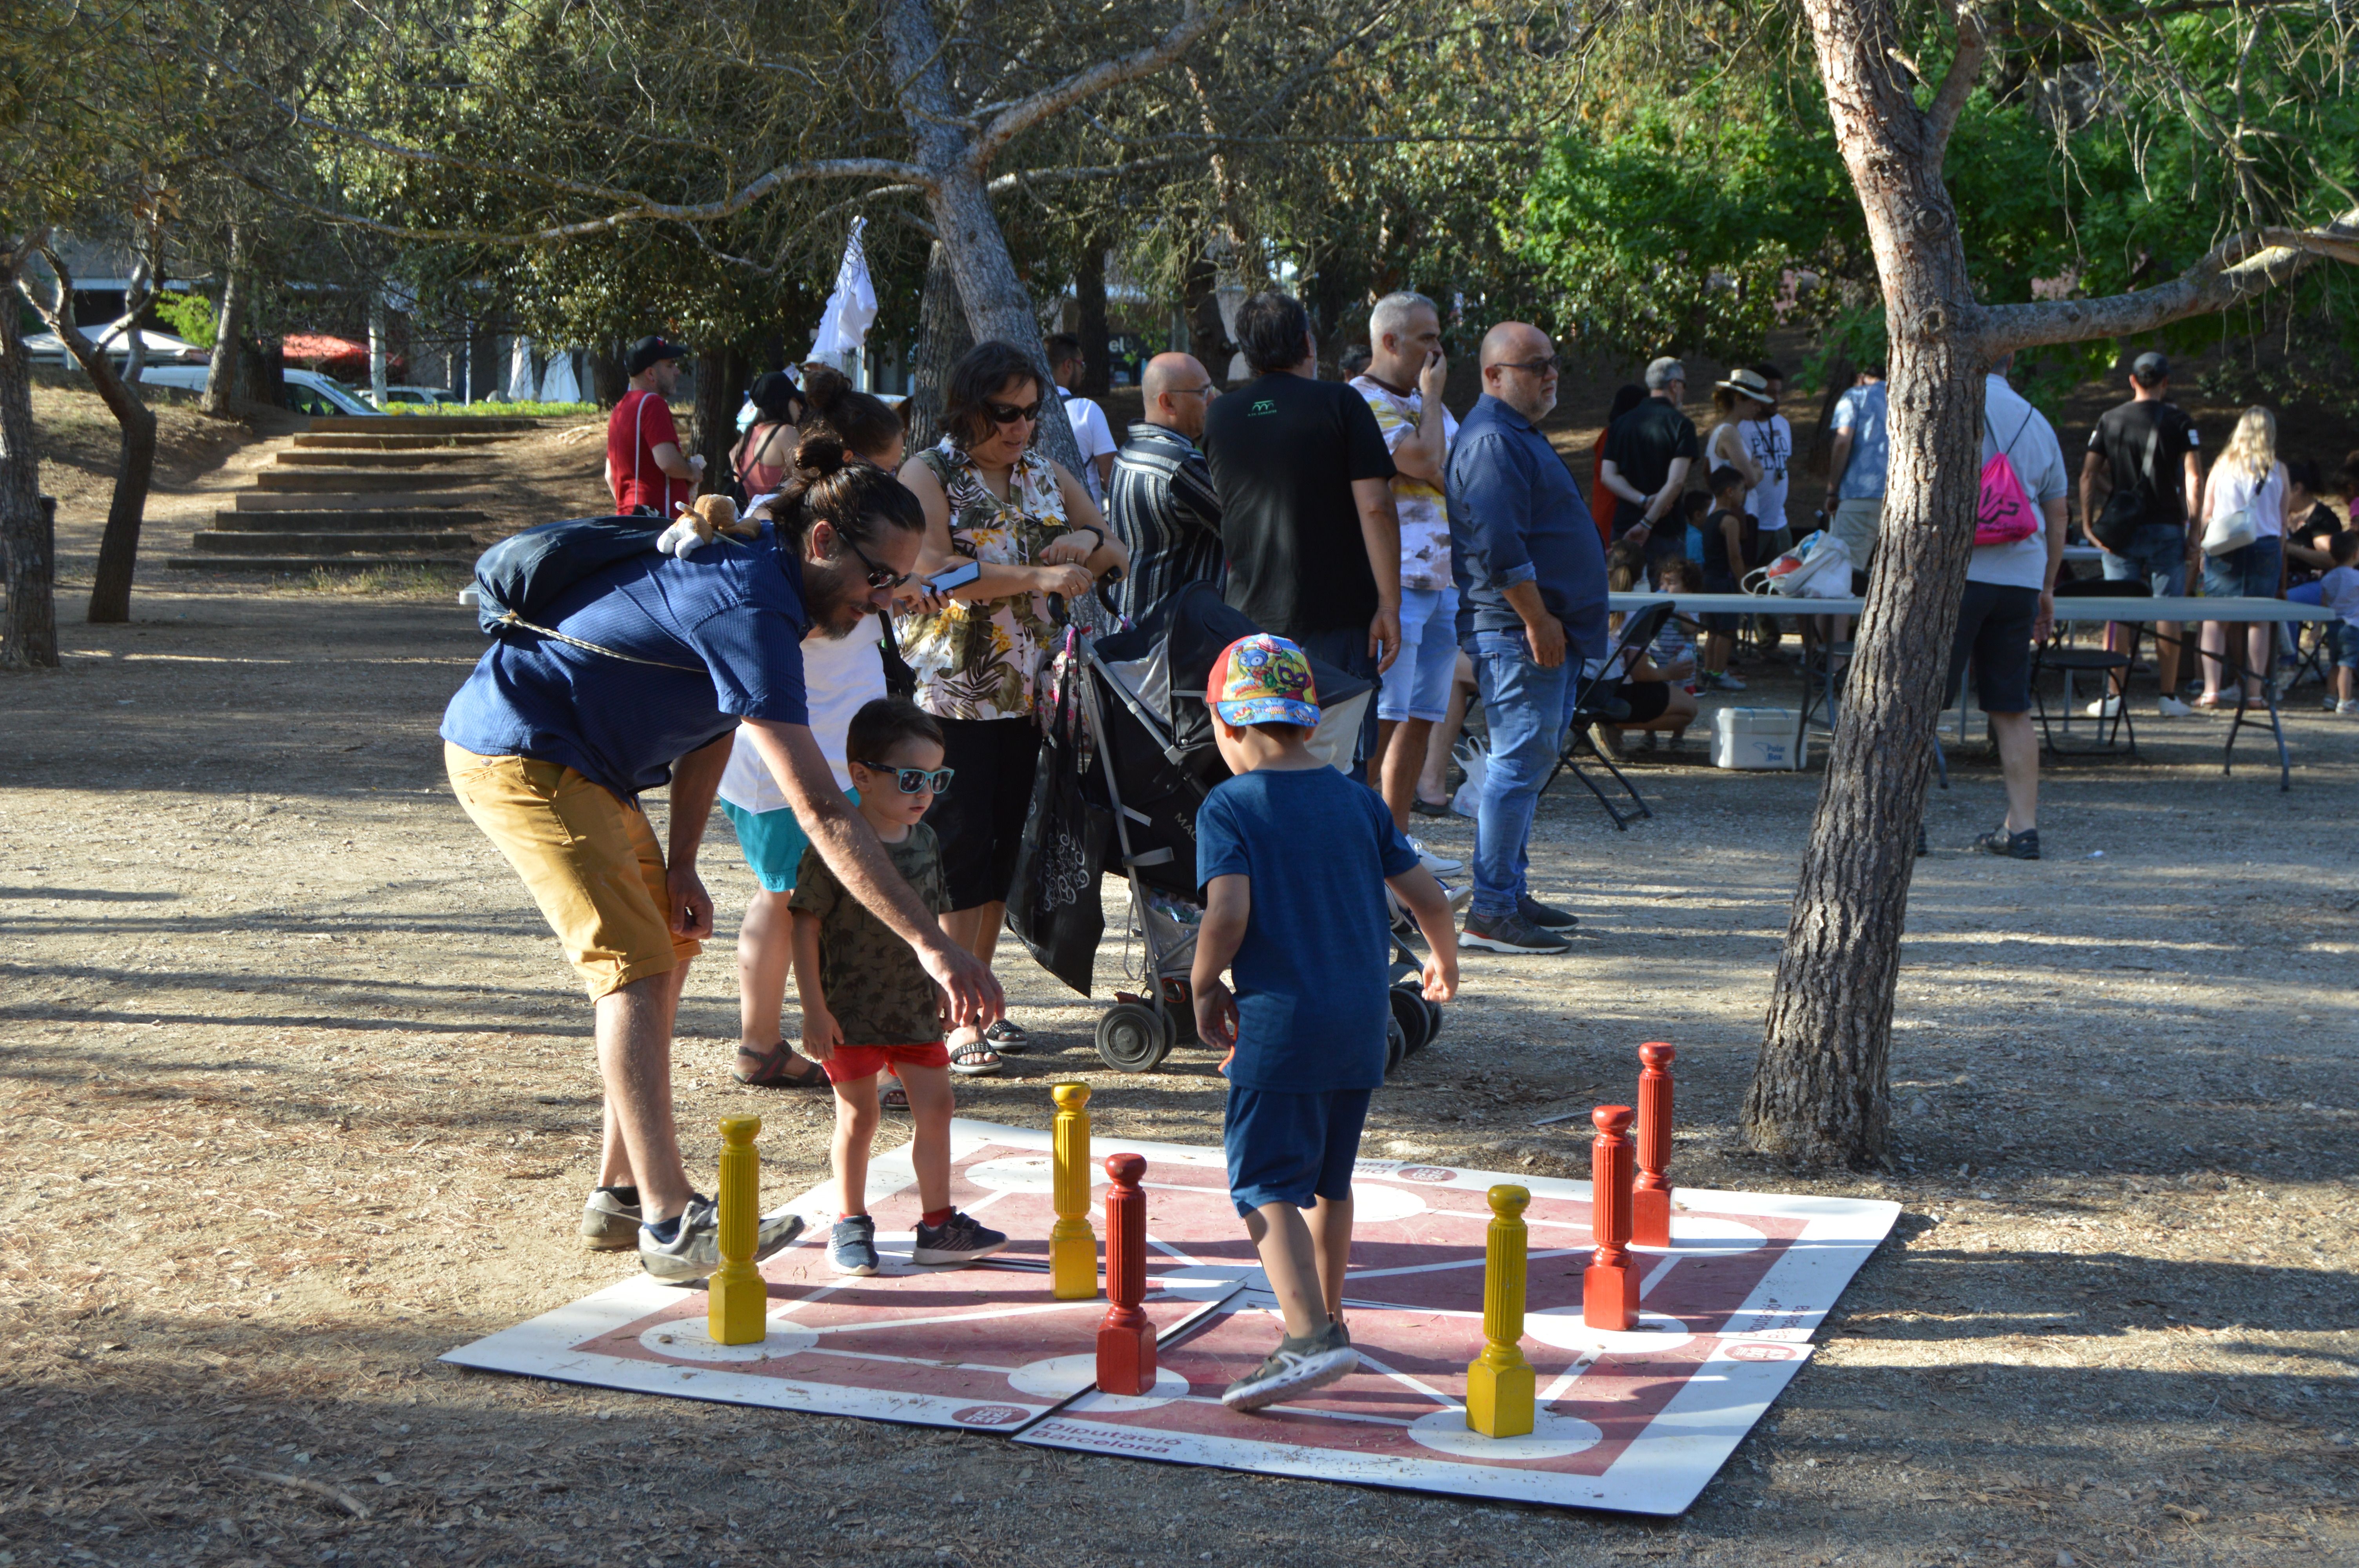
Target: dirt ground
(301, 1099)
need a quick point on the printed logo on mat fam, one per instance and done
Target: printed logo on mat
(1432, 1175)
(1748, 1351)
(990, 1415)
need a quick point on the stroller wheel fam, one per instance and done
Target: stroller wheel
(1410, 1017)
(1395, 1045)
(1433, 1013)
(1132, 1039)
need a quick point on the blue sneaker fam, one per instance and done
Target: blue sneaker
(960, 1239)
(852, 1244)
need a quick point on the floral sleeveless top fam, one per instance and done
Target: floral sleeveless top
(981, 660)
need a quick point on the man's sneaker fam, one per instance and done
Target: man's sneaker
(1547, 916)
(852, 1244)
(1719, 680)
(2023, 846)
(1440, 865)
(2171, 706)
(1295, 1367)
(1508, 934)
(694, 1251)
(958, 1240)
(608, 1223)
(2109, 706)
(2348, 705)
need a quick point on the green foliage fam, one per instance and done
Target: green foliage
(190, 316)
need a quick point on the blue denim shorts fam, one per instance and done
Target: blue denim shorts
(2155, 555)
(1418, 686)
(1292, 1148)
(2252, 572)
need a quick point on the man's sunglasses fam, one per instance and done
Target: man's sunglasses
(878, 577)
(1548, 366)
(1009, 414)
(916, 781)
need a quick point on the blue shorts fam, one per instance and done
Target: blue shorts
(2250, 571)
(2155, 555)
(1418, 686)
(772, 842)
(1290, 1148)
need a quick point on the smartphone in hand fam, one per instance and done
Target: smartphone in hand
(955, 576)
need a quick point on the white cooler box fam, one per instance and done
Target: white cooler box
(1756, 738)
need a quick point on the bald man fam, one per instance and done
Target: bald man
(1160, 500)
(1531, 590)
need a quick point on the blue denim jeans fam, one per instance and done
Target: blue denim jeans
(2156, 554)
(1525, 706)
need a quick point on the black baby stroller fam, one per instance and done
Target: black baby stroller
(1131, 724)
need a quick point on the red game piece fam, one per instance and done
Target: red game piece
(1126, 1338)
(1651, 1201)
(1609, 1287)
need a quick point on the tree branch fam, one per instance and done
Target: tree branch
(1958, 84)
(1196, 21)
(2244, 266)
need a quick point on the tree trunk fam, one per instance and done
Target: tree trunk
(222, 380)
(942, 341)
(1090, 295)
(376, 332)
(721, 377)
(607, 381)
(1207, 337)
(29, 614)
(1820, 1091)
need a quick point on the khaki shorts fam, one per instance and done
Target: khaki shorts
(1857, 523)
(591, 861)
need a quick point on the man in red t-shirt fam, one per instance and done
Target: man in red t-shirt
(644, 467)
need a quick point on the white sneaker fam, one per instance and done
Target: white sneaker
(1440, 865)
(2171, 706)
(2105, 707)
(2348, 705)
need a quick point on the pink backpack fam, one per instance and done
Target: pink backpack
(2005, 513)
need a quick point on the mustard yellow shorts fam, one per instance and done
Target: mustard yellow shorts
(591, 861)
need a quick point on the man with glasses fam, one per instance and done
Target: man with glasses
(1161, 502)
(1531, 593)
(1648, 455)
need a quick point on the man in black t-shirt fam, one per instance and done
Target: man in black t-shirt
(2148, 448)
(1648, 455)
(1307, 512)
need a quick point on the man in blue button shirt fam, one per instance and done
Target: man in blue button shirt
(641, 674)
(1531, 595)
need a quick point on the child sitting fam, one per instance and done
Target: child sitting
(2339, 591)
(868, 1002)
(1294, 859)
(1732, 548)
(1673, 651)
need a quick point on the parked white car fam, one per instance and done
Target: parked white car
(308, 392)
(416, 396)
(162, 348)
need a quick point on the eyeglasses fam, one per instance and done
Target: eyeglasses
(914, 781)
(878, 577)
(1548, 366)
(1204, 391)
(1008, 413)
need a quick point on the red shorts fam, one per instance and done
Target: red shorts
(854, 1062)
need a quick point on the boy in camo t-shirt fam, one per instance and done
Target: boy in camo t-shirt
(867, 1002)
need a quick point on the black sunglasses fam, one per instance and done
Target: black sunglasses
(1009, 414)
(914, 781)
(1538, 367)
(878, 577)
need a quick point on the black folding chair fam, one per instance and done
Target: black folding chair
(2100, 662)
(1599, 701)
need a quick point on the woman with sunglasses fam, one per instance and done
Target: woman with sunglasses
(1034, 532)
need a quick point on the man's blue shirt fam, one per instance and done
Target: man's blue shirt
(721, 631)
(1516, 516)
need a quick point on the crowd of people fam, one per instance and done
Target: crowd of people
(859, 684)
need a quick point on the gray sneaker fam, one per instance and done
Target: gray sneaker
(1547, 916)
(960, 1239)
(852, 1244)
(1295, 1367)
(1508, 934)
(694, 1252)
(608, 1223)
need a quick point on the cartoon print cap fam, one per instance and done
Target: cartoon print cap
(1263, 679)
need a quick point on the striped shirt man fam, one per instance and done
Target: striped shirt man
(1163, 505)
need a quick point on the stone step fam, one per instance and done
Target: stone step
(357, 481)
(373, 543)
(401, 500)
(391, 519)
(405, 443)
(300, 563)
(436, 424)
(412, 460)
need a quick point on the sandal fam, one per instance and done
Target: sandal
(895, 1099)
(770, 1070)
(974, 1059)
(1010, 1040)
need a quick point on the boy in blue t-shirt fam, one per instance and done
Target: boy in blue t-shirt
(1294, 859)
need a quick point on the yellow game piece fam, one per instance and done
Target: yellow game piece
(1073, 1245)
(739, 1304)
(1499, 1382)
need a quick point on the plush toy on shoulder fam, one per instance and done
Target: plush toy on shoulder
(700, 522)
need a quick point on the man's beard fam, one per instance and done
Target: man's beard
(835, 600)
